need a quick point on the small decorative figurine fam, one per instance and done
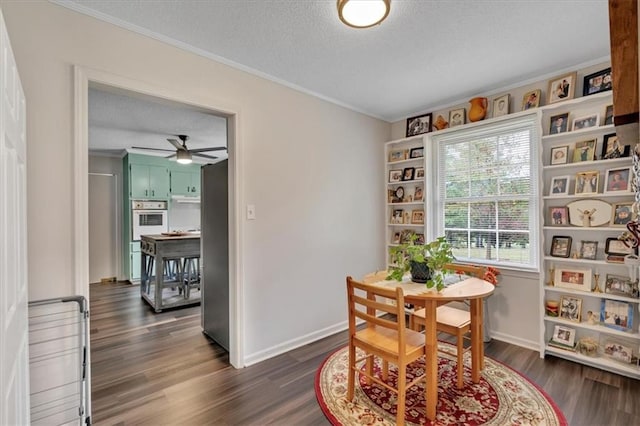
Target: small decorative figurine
(440, 123)
(586, 216)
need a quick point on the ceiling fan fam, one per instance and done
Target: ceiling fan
(184, 154)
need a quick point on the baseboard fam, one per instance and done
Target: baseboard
(507, 338)
(294, 343)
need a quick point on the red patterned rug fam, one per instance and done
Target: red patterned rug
(503, 396)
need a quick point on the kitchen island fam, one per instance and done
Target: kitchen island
(170, 275)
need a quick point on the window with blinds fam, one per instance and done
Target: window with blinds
(487, 192)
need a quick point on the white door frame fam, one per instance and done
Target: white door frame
(83, 78)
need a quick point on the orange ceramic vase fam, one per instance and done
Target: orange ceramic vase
(478, 109)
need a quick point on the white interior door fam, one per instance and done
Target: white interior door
(103, 232)
(14, 356)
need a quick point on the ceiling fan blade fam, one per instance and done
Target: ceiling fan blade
(204, 156)
(175, 143)
(171, 156)
(152, 149)
(214, 148)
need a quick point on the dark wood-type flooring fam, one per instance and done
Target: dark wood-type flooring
(159, 369)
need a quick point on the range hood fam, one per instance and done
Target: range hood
(183, 199)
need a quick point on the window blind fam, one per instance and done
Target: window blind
(487, 191)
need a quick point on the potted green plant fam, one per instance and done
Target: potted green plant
(426, 262)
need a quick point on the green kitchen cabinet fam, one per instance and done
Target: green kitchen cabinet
(185, 183)
(149, 181)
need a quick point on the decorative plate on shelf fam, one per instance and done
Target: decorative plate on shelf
(589, 213)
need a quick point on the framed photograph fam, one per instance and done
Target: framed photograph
(621, 214)
(618, 285)
(560, 246)
(397, 216)
(562, 88)
(571, 308)
(419, 173)
(618, 180)
(418, 193)
(615, 314)
(559, 155)
(617, 247)
(417, 217)
(575, 279)
(611, 147)
(608, 115)
(585, 150)
(457, 117)
(589, 212)
(618, 352)
(407, 173)
(559, 123)
(587, 182)
(396, 238)
(416, 152)
(559, 215)
(419, 124)
(559, 185)
(564, 335)
(531, 99)
(397, 155)
(398, 195)
(395, 176)
(588, 249)
(501, 106)
(405, 236)
(585, 122)
(597, 82)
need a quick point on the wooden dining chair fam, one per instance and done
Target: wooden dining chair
(450, 320)
(386, 337)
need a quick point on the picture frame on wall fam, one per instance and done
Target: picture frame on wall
(559, 155)
(597, 82)
(559, 186)
(397, 155)
(531, 99)
(419, 124)
(584, 150)
(562, 88)
(457, 117)
(585, 122)
(395, 176)
(619, 352)
(618, 180)
(501, 106)
(575, 279)
(621, 214)
(559, 123)
(407, 173)
(587, 182)
(559, 215)
(419, 174)
(417, 217)
(616, 314)
(571, 308)
(616, 247)
(416, 152)
(588, 249)
(611, 147)
(608, 115)
(560, 246)
(418, 193)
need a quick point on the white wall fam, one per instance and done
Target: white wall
(311, 168)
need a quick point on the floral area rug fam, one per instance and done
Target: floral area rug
(503, 396)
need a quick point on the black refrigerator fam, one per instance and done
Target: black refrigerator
(214, 211)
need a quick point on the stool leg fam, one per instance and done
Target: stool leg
(460, 353)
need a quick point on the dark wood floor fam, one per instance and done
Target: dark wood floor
(159, 369)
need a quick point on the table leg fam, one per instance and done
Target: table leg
(431, 359)
(477, 348)
(159, 283)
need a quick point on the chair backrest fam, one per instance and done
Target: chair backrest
(368, 308)
(471, 270)
(374, 277)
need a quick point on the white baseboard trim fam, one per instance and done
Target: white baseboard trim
(507, 338)
(289, 345)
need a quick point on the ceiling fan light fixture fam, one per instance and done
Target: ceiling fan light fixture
(183, 157)
(363, 13)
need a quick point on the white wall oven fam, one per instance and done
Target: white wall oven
(148, 218)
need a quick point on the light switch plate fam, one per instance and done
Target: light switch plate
(251, 212)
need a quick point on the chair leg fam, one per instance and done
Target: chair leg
(385, 369)
(460, 353)
(369, 368)
(352, 372)
(402, 390)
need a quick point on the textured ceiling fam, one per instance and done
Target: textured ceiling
(427, 54)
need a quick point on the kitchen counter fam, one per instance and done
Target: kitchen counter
(166, 261)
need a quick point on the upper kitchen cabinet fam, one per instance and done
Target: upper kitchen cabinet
(146, 179)
(185, 180)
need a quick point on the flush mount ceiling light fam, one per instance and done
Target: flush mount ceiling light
(183, 157)
(363, 13)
